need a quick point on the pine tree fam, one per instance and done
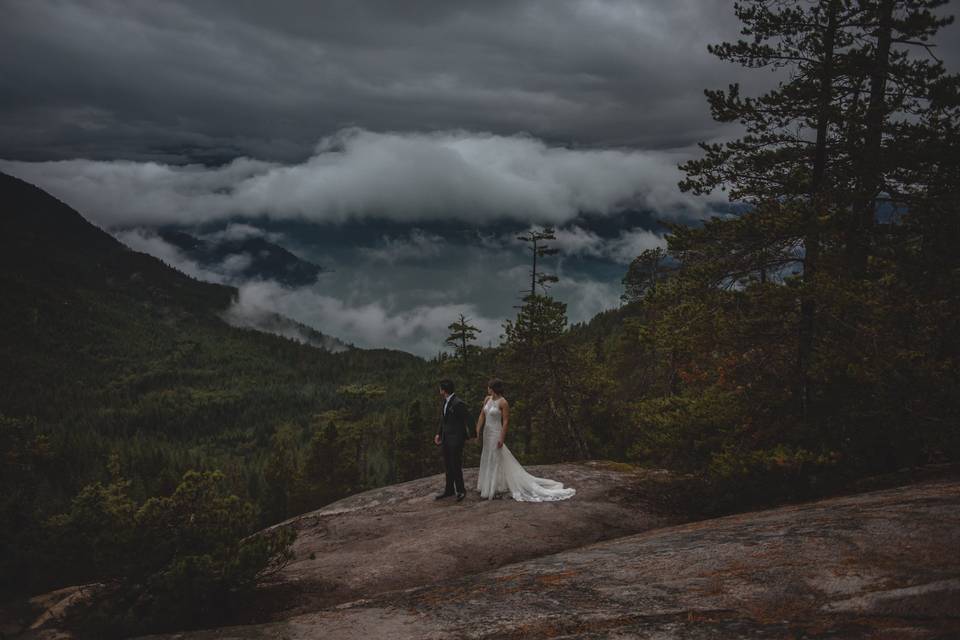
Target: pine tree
(462, 333)
(643, 274)
(281, 476)
(414, 445)
(541, 365)
(323, 467)
(537, 241)
(815, 152)
(899, 86)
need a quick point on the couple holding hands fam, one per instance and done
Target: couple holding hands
(499, 471)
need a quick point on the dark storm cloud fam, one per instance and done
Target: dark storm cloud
(211, 80)
(208, 81)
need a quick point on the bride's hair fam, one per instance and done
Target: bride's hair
(496, 384)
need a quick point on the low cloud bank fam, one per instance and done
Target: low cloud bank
(577, 241)
(371, 307)
(147, 241)
(250, 316)
(371, 324)
(355, 174)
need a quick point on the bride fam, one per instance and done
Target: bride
(499, 470)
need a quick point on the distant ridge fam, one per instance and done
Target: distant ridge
(46, 244)
(43, 239)
(262, 259)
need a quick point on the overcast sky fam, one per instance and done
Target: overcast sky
(211, 79)
(413, 116)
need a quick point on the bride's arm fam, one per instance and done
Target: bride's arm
(505, 413)
(480, 417)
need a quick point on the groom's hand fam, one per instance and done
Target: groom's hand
(436, 439)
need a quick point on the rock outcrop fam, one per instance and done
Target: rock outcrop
(879, 564)
(398, 537)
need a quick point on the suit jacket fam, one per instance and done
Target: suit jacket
(454, 423)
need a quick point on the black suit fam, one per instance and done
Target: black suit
(453, 431)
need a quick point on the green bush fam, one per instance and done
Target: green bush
(171, 563)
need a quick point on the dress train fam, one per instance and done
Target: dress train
(500, 472)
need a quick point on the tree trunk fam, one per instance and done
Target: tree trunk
(561, 392)
(533, 271)
(811, 239)
(864, 207)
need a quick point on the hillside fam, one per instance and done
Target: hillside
(109, 352)
(876, 564)
(81, 307)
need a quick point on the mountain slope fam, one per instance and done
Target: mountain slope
(111, 350)
(47, 243)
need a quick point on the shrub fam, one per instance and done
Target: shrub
(174, 562)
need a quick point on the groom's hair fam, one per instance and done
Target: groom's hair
(447, 385)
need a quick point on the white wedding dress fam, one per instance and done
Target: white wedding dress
(500, 472)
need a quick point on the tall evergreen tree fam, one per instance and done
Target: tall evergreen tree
(414, 445)
(541, 366)
(327, 469)
(902, 77)
(462, 333)
(537, 242)
(281, 476)
(815, 151)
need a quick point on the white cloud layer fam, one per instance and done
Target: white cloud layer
(407, 177)
(577, 241)
(407, 306)
(419, 330)
(419, 245)
(236, 231)
(146, 241)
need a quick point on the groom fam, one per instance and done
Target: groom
(452, 433)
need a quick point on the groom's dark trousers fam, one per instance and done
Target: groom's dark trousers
(453, 434)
